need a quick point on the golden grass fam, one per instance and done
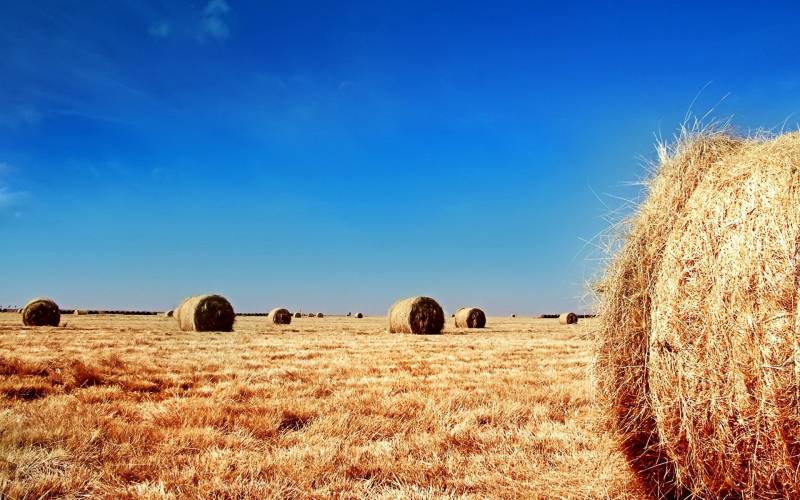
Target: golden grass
(127, 406)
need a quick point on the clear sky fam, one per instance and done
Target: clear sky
(337, 156)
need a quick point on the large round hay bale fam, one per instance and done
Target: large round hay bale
(421, 315)
(699, 322)
(280, 316)
(470, 317)
(568, 318)
(169, 313)
(359, 315)
(206, 313)
(320, 315)
(298, 315)
(41, 311)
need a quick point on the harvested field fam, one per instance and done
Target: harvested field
(126, 406)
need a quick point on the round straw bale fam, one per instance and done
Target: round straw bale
(470, 317)
(298, 315)
(80, 312)
(421, 315)
(320, 315)
(206, 313)
(169, 313)
(513, 315)
(41, 311)
(699, 322)
(569, 318)
(359, 315)
(280, 316)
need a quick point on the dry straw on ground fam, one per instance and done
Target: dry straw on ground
(41, 311)
(470, 317)
(280, 316)
(698, 355)
(568, 318)
(206, 313)
(416, 315)
(126, 407)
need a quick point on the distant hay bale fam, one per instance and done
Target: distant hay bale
(280, 316)
(513, 315)
(568, 318)
(349, 314)
(421, 315)
(312, 315)
(298, 315)
(206, 313)
(359, 315)
(41, 311)
(169, 313)
(470, 317)
(80, 312)
(320, 315)
(698, 357)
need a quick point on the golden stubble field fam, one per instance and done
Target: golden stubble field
(128, 406)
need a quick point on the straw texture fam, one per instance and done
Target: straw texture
(698, 356)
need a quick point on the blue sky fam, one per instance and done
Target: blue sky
(337, 156)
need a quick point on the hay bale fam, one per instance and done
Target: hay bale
(206, 313)
(298, 315)
(169, 313)
(359, 315)
(513, 315)
(320, 315)
(312, 315)
(41, 311)
(698, 356)
(80, 312)
(568, 318)
(421, 315)
(280, 316)
(470, 317)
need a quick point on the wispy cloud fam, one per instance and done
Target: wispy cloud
(19, 116)
(160, 29)
(214, 23)
(9, 199)
(217, 8)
